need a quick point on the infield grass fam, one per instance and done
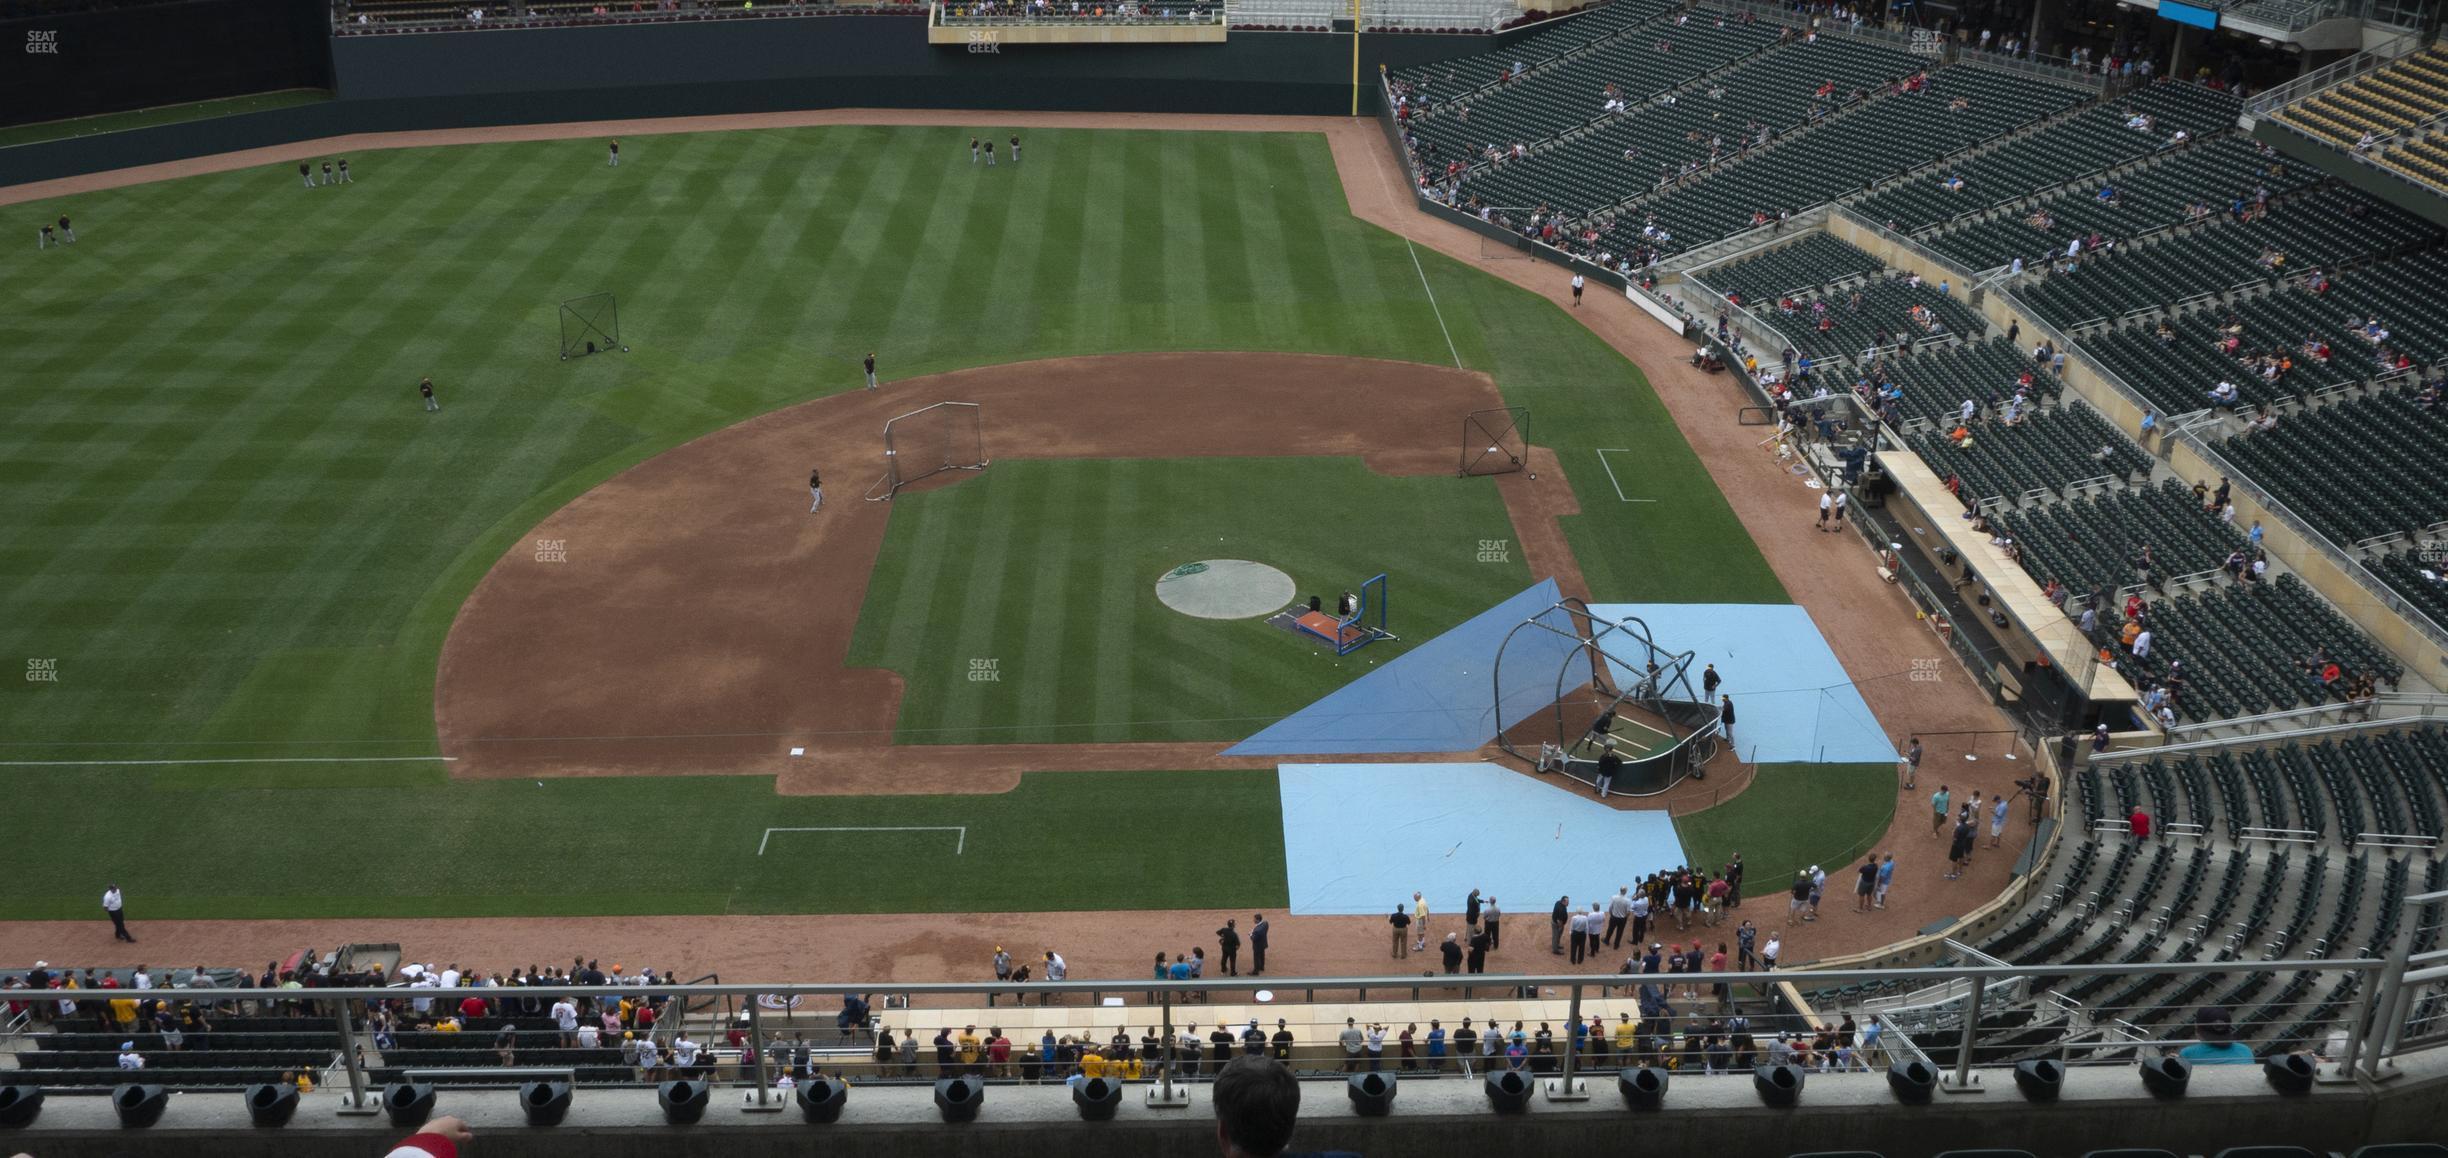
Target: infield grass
(232, 532)
(1048, 569)
(1794, 816)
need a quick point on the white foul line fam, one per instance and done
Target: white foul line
(1440, 314)
(1602, 461)
(232, 760)
(957, 846)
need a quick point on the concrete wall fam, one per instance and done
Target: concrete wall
(2103, 1107)
(73, 64)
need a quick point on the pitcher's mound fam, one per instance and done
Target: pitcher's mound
(1225, 589)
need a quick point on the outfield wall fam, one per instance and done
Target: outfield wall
(440, 80)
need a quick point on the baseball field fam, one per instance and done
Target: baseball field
(244, 564)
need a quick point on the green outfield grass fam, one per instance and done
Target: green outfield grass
(205, 844)
(237, 535)
(1020, 566)
(159, 115)
(1794, 816)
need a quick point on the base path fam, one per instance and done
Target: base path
(700, 619)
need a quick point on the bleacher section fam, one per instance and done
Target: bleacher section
(2323, 228)
(1882, 137)
(2277, 872)
(2243, 649)
(2392, 108)
(2049, 451)
(1448, 80)
(2091, 543)
(2222, 174)
(1771, 92)
(1936, 383)
(236, 1051)
(2359, 469)
(2088, 142)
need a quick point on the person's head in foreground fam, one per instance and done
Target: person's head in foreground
(1256, 1100)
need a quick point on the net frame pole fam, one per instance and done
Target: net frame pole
(591, 322)
(1502, 431)
(957, 419)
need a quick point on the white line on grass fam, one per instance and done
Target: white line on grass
(957, 846)
(1602, 461)
(1432, 303)
(232, 760)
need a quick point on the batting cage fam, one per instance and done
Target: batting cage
(929, 441)
(590, 325)
(1572, 686)
(1496, 441)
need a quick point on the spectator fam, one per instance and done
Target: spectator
(1256, 1102)
(2215, 1043)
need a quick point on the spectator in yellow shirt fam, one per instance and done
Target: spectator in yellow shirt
(1092, 1065)
(1626, 1035)
(969, 1050)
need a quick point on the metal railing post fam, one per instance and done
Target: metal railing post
(1168, 1053)
(1562, 1089)
(348, 1057)
(1971, 1033)
(757, 1045)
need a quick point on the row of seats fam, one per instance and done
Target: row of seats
(1936, 383)
(1626, 154)
(2244, 650)
(2380, 103)
(1884, 137)
(2388, 783)
(1462, 74)
(2358, 469)
(2092, 543)
(2049, 450)
(1814, 260)
(2223, 172)
(2092, 140)
(2175, 373)
(1571, 94)
(2330, 226)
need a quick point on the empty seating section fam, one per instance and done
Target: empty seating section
(2333, 790)
(2405, 573)
(1799, 267)
(2378, 105)
(2217, 173)
(2329, 226)
(1772, 90)
(2093, 543)
(2358, 470)
(1883, 137)
(2404, 294)
(2227, 897)
(534, 1043)
(2050, 450)
(1853, 318)
(1447, 79)
(2086, 142)
(1936, 383)
(2244, 650)
(235, 1051)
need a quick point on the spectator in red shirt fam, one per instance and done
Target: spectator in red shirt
(2141, 824)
